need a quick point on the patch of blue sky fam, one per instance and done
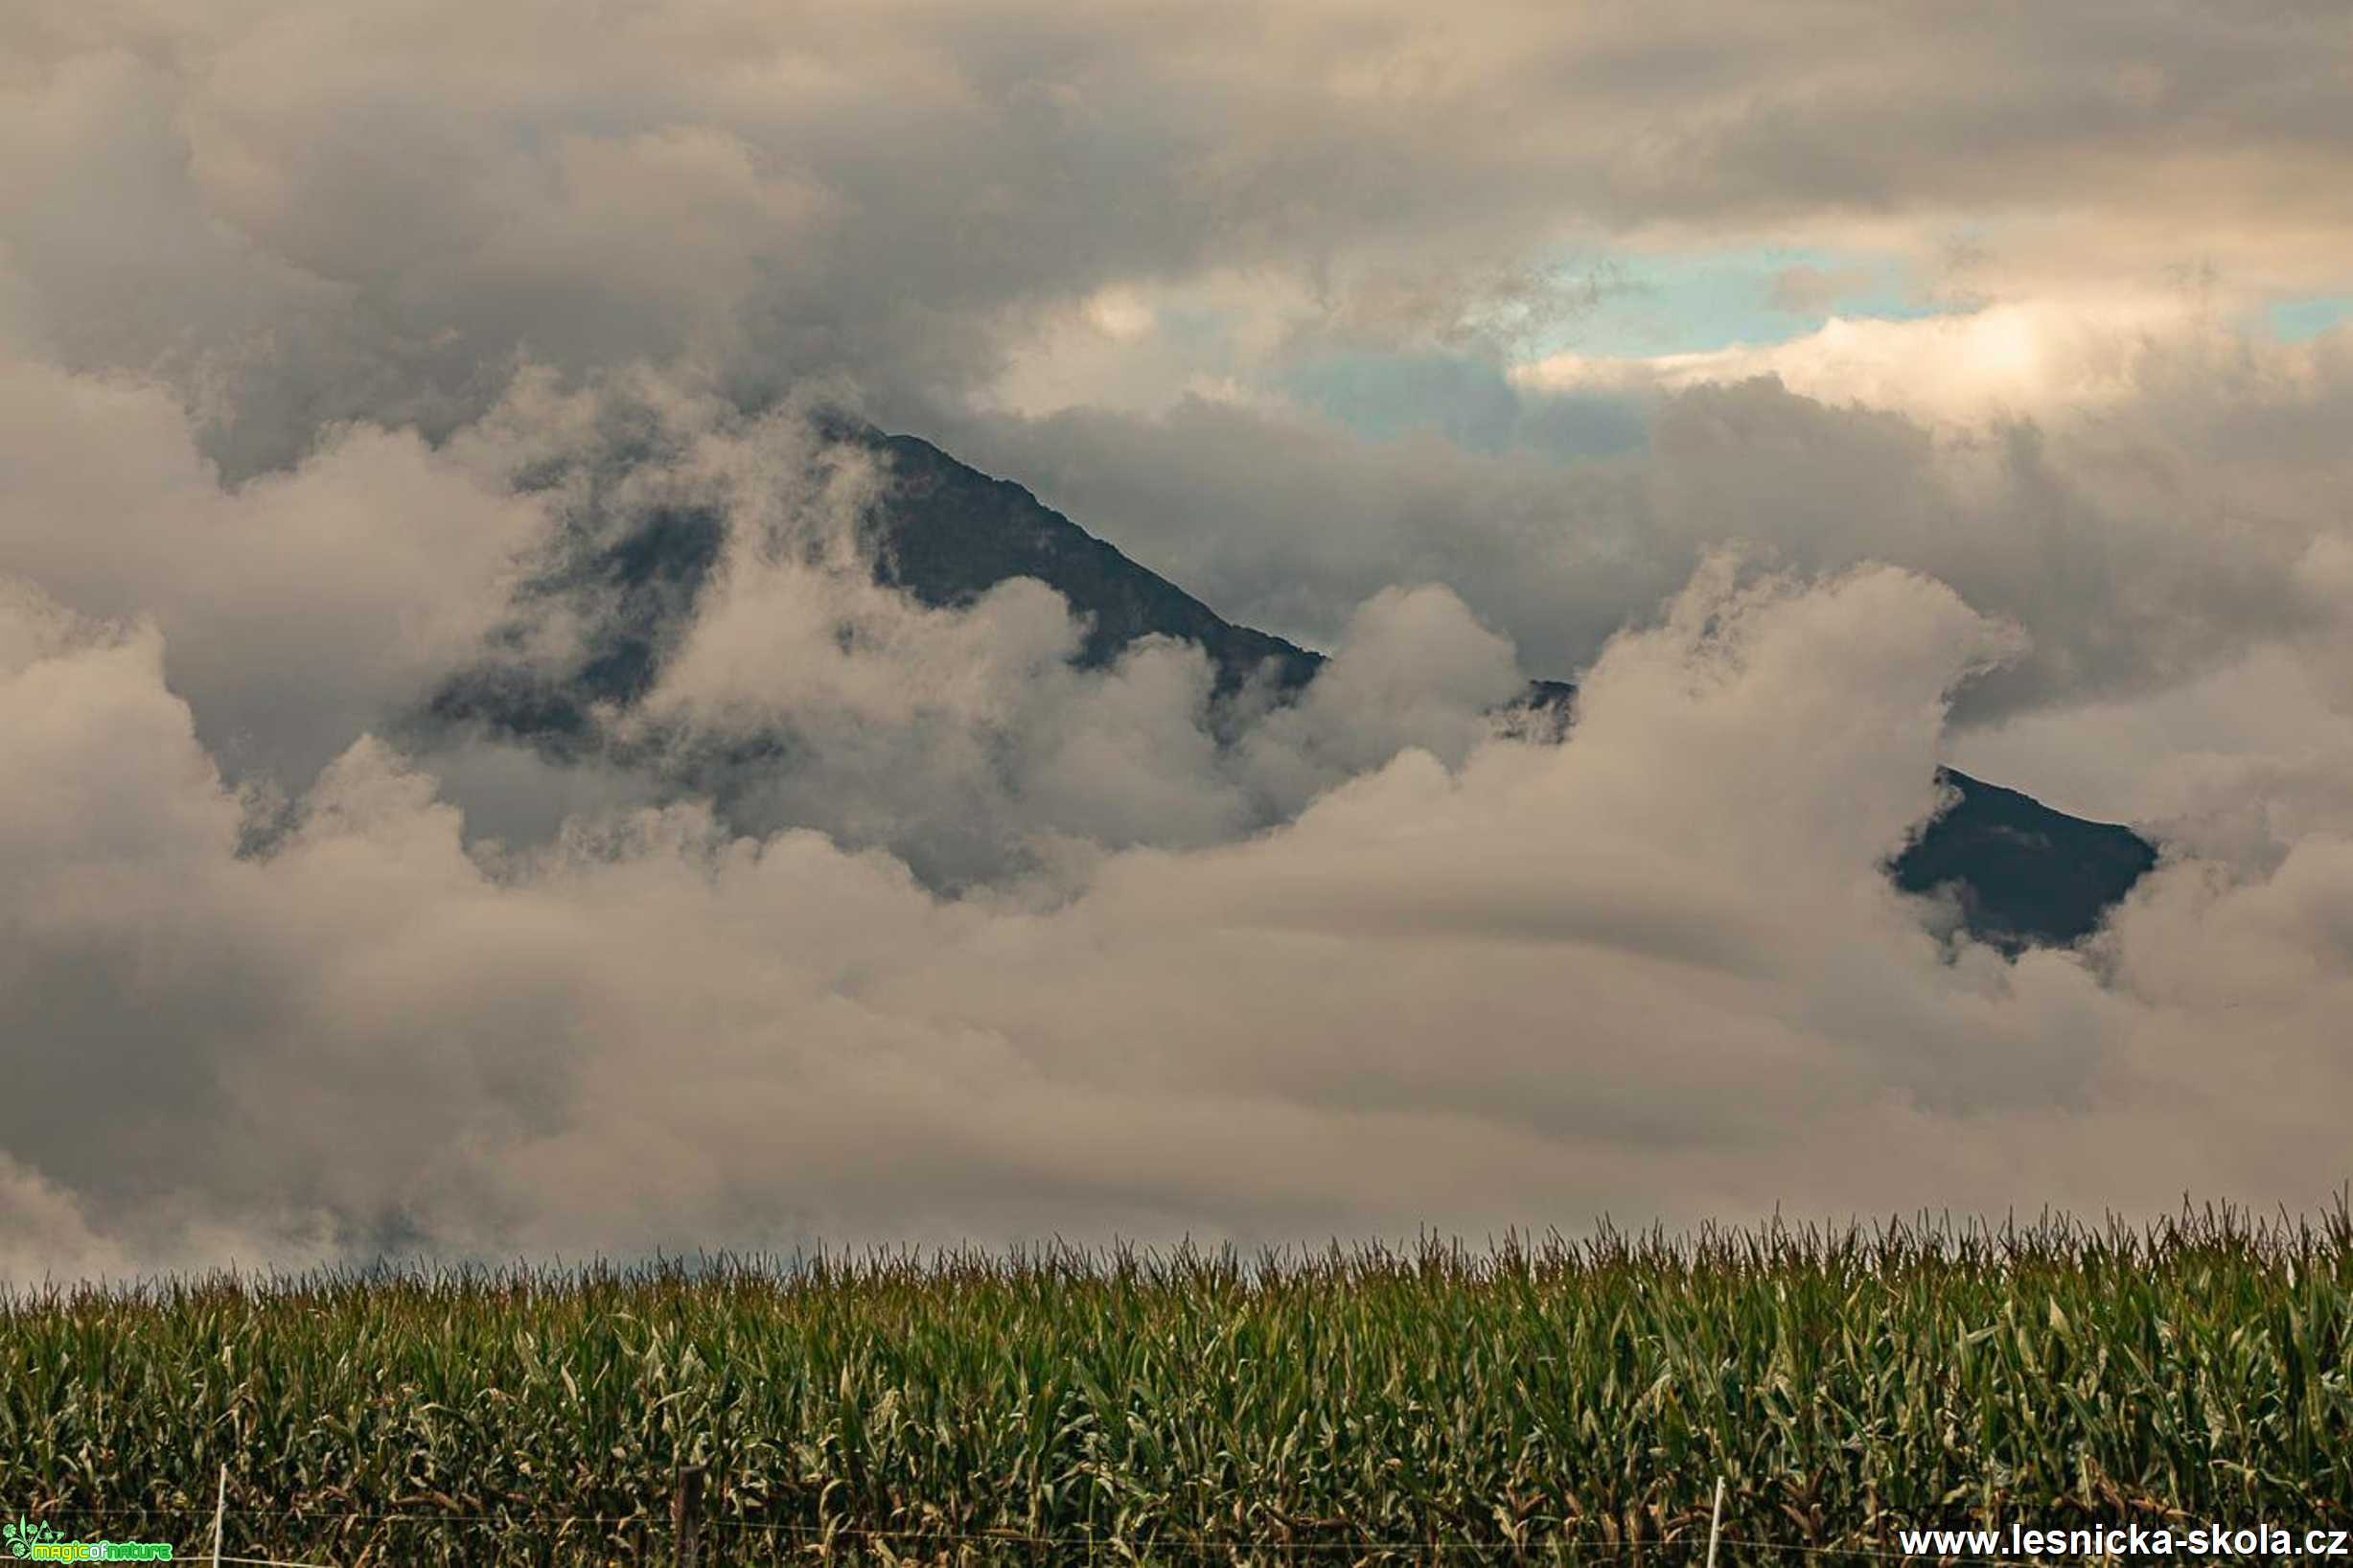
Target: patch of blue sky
(1197, 329)
(1642, 305)
(1383, 396)
(1648, 305)
(2300, 320)
(1464, 398)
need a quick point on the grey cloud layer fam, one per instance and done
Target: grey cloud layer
(1656, 970)
(299, 303)
(317, 211)
(2195, 514)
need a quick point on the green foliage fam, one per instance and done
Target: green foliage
(1200, 1406)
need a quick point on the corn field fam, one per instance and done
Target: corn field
(1546, 1401)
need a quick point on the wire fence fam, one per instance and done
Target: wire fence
(1078, 1549)
(691, 1530)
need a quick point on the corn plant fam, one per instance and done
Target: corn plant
(1535, 1401)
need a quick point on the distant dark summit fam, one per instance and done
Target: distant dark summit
(945, 534)
(2026, 875)
(2022, 872)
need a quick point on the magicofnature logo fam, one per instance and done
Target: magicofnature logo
(23, 1536)
(38, 1542)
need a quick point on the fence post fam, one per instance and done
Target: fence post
(220, 1510)
(686, 1517)
(1716, 1521)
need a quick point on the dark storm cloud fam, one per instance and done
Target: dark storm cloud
(2167, 534)
(304, 309)
(319, 212)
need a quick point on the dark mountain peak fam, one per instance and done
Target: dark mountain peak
(2026, 875)
(945, 533)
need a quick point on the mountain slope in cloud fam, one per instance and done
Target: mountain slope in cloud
(2023, 874)
(2026, 875)
(949, 533)
(946, 534)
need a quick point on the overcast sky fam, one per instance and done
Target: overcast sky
(1831, 388)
